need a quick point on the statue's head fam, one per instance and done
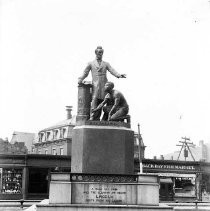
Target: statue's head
(99, 52)
(109, 86)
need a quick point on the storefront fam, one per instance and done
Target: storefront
(179, 180)
(27, 176)
(205, 184)
(11, 181)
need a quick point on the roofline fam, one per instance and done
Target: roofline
(23, 132)
(56, 127)
(34, 156)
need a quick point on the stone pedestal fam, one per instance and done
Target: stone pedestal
(104, 189)
(71, 191)
(102, 149)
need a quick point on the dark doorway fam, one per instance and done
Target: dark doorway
(166, 189)
(38, 181)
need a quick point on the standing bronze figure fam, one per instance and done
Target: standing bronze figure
(98, 68)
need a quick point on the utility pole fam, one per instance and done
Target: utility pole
(186, 144)
(140, 157)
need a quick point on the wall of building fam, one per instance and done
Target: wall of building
(55, 140)
(61, 147)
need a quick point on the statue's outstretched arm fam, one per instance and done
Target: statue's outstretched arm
(113, 71)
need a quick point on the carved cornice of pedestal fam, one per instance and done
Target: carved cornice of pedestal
(104, 123)
(82, 177)
(103, 178)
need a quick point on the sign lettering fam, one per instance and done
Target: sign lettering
(168, 166)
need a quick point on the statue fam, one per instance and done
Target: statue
(116, 107)
(98, 69)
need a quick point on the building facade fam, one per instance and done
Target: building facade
(198, 153)
(28, 176)
(56, 140)
(179, 180)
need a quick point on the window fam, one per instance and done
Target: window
(54, 152)
(48, 135)
(42, 137)
(11, 181)
(185, 186)
(61, 151)
(46, 152)
(57, 134)
(39, 152)
(64, 135)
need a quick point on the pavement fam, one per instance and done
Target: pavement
(10, 205)
(15, 205)
(200, 206)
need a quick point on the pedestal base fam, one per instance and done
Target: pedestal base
(70, 191)
(102, 149)
(103, 189)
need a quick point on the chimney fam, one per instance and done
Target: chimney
(201, 143)
(161, 157)
(155, 157)
(69, 109)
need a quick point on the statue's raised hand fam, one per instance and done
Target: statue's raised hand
(80, 81)
(123, 76)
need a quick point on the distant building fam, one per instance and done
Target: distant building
(24, 138)
(56, 140)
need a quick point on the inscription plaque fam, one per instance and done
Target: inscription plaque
(104, 194)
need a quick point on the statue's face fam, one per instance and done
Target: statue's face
(99, 54)
(107, 87)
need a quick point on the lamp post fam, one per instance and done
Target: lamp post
(140, 157)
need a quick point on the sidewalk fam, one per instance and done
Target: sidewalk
(15, 205)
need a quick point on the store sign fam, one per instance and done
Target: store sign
(168, 166)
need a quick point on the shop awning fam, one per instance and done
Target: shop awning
(166, 180)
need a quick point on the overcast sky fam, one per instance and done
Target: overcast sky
(162, 46)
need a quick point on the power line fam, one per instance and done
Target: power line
(185, 145)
